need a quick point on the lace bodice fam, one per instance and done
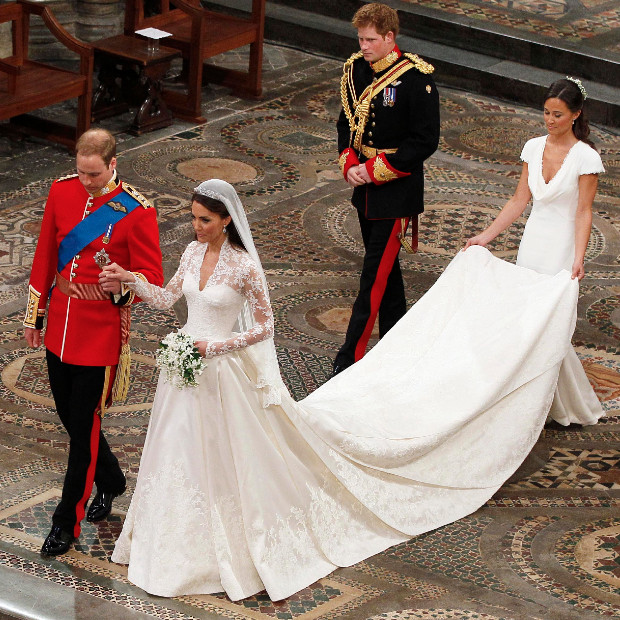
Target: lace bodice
(213, 311)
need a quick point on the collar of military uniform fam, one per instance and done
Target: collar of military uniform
(386, 61)
(111, 185)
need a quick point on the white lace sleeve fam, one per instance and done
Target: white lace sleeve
(164, 298)
(253, 290)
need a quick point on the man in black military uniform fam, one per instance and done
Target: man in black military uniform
(388, 126)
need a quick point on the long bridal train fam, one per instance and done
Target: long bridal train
(419, 433)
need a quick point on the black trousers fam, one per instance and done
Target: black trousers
(78, 393)
(381, 291)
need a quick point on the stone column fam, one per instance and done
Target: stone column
(87, 20)
(43, 45)
(98, 19)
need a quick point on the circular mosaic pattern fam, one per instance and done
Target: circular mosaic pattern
(324, 315)
(496, 140)
(333, 319)
(503, 141)
(592, 553)
(449, 104)
(310, 303)
(201, 168)
(603, 315)
(26, 377)
(325, 105)
(603, 371)
(301, 139)
(434, 614)
(444, 229)
(238, 136)
(172, 167)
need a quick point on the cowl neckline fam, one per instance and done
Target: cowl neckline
(559, 170)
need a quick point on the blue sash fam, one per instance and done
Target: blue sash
(94, 226)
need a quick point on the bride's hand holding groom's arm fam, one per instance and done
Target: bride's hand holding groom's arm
(112, 276)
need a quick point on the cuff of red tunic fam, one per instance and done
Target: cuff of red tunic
(347, 158)
(380, 170)
(34, 315)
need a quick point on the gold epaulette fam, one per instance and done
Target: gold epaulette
(352, 59)
(421, 65)
(66, 177)
(134, 193)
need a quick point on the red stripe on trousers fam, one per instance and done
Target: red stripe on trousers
(378, 288)
(94, 453)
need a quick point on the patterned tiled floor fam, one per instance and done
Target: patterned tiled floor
(547, 546)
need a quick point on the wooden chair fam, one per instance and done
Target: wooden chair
(201, 34)
(27, 85)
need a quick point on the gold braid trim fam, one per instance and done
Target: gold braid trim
(121, 381)
(421, 65)
(363, 106)
(382, 172)
(342, 160)
(385, 62)
(32, 307)
(357, 120)
(134, 193)
(346, 83)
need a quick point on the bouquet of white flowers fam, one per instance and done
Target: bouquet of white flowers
(181, 360)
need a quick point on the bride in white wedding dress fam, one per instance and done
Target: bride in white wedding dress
(560, 172)
(242, 489)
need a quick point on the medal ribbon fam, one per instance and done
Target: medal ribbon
(362, 105)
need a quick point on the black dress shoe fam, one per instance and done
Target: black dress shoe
(101, 505)
(57, 542)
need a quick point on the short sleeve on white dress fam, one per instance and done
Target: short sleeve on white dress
(529, 150)
(590, 162)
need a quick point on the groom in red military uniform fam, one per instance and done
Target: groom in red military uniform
(388, 126)
(91, 219)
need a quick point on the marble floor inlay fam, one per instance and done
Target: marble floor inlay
(546, 546)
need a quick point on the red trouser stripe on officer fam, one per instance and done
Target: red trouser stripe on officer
(110, 372)
(378, 288)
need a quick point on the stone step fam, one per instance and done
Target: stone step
(507, 78)
(491, 39)
(485, 37)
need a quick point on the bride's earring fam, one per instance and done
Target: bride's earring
(224, 230)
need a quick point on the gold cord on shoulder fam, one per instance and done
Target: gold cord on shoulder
(346, 83)
(421, 65)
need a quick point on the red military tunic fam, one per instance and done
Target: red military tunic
(82, 331)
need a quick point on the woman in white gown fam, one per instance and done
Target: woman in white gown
(242, 489)
(560, 172)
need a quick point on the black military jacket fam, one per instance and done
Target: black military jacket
(403, 116)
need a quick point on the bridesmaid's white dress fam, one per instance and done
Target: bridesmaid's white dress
(548, 246)
(234, 496)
